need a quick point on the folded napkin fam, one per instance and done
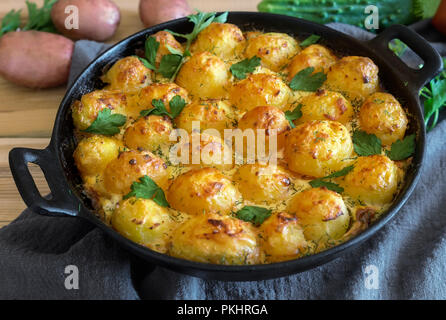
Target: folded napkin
(405, 260)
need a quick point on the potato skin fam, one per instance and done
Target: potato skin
(355, 77)
(321, 213)
(131, 165)
(144, 222)
(260, 90)
(35, 59)
(98, 20)
(212, 238)
(263, 183)
(127, 74)
(282, 237)
(316, 56)
(165, 39)
(274, 49)
(225, 40)
(84, 112)
(326, 105)
(153, 12)
(94, 153)
(317, 148)
(148, 133)
(212, 114)
(382, 115)
(373, 180)
(204, 76)
(201, 191)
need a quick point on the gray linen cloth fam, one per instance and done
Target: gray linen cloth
(405, 260)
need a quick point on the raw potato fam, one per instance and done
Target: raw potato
(35, 59)
(382, 115)
(205, 76)
(98, 19)
(260, 90)
(94, 153)
(121, 172)
(153, 12)
(282, 237)
(275, 49)
(127, 74)
(144, 222)
(263, 183)
(84, 112)
(225, 40)
(321, 213)
(212, 238)
(318, 148)
(201, 191)
(316, 56)
(326, 105)
(373, 180)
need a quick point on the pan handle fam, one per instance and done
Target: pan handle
(416, 79)
(61, 201)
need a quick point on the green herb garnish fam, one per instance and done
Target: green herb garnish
(322, 182)
(10, 22)
(40, 18)
(304, 80)
(240, 69)
(366, 144)
(402, 149)
(146, 188)
(253, 214)
(294, 115)
(107, 123)
(310, 40)
(176, 105)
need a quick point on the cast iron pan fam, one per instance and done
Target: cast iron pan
(67, 198)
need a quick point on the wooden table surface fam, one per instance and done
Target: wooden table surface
(27, 116)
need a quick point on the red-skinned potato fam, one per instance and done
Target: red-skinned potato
(439, 20)
(98, 19)
(35, 59)
(153, 12)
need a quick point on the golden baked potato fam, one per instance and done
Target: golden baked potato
(205, 76)
(355, 77)
(260, 90)
(321, 213)
(326, 105)
(373, 180)
(212, 238)
(144, 222)
(282, 237)
(201, 191)
(263, 182)
(382, 115)
(225, 40)
(94, 153)
(318, 148)
(165, 39)
(128, 74)
(148, 133)
(316, 56)
(131, 165)
(274, 49)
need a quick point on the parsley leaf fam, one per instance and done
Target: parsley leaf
(321, 182)
(304, 80)
(310, 40)
(176, 105)
(240, 69)
(151, 49)
(10, 22)
(253, 214)
(366, 144)
(107, 123)
(294, 115)
(169, 65)
(146, 188)
(40, 18)
(402, 149)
